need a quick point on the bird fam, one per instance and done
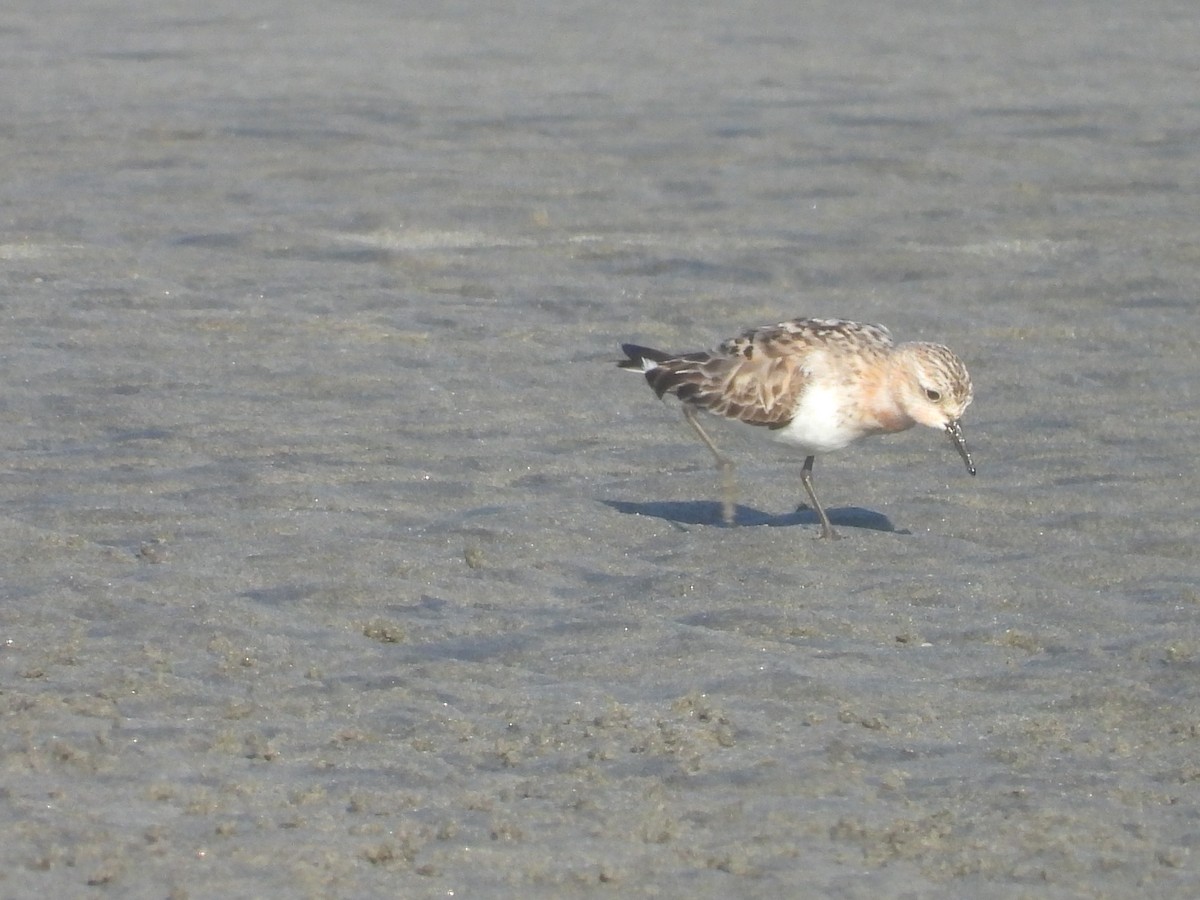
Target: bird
(814, 383)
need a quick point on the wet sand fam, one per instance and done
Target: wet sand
(341, 561)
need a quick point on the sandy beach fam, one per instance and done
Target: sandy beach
(342, 561)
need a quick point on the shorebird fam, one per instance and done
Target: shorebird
(817, 384)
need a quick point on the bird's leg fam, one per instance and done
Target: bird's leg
(724, 465)
(806, 479)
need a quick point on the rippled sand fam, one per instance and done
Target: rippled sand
(341, 561)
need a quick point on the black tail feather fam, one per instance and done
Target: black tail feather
(663, 376)
(636, 354)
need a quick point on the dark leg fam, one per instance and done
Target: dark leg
(806, 479)
(724, 465)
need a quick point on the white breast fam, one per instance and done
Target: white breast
(821, 424)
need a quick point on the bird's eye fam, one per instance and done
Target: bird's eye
(933, 395)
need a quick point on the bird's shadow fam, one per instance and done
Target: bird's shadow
(708, 512)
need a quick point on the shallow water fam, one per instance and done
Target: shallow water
(343, 562)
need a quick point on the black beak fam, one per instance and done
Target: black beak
(960, 444)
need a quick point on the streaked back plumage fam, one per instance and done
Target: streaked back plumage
(757, 377)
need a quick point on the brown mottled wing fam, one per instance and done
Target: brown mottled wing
(756, 378)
